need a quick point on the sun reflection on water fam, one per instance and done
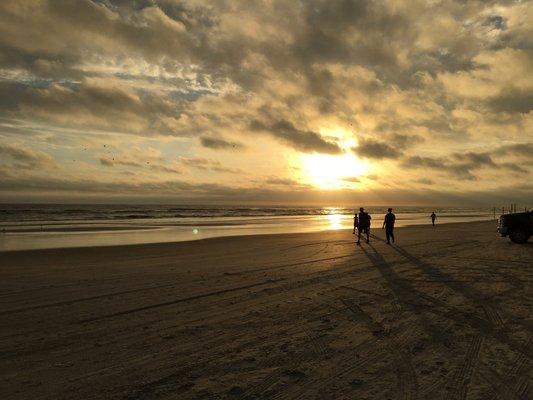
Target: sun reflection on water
(335, 221)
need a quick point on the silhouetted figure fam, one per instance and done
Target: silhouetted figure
(355, 223)
(433, 218)
(363, 225)
(388, 224)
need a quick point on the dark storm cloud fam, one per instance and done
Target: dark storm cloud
(219, 144)
(305, 141)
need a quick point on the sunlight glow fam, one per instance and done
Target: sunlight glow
(333, 172)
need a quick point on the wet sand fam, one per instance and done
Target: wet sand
(445, 313)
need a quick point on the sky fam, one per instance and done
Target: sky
(326, 102)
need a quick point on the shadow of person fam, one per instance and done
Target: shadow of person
(437, 275)
(444, 323)
(482, 325)
(409, 297)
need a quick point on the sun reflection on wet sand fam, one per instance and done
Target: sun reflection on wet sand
(335, 221)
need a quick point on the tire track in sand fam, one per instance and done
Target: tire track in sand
(406, 375)
(463, 376)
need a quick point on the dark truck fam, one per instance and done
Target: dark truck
(518, 226)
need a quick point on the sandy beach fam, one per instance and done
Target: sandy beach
(444, 313)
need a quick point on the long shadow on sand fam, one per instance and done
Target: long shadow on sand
(478, 298)
(494, 327)
(407, 294)
(448, 334)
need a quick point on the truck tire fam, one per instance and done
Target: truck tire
(518, 236)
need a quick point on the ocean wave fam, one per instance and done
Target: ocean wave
(57, 212)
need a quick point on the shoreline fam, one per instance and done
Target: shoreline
(325, 231)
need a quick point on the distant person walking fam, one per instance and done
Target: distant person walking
(355, 223)
(388, 224)
(363, 225)
(433, 218)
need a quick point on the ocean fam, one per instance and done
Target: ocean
(38, 226)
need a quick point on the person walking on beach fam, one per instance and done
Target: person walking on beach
(388, 224)
(363, 225)
(355, 223)
(433, 218)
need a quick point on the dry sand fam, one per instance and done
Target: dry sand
(446, 313)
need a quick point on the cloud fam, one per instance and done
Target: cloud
(351, 179)
(306, 141)
(136, 157)
(165, 168)
(425, 181)
(200, 163)
(462, 165)
(402, 141)
(419, 83)
(474, 160)
(27, 158)
(370, 148)
(281, 182)
(207, 165)
(512, 100)
(392, 148)
(523, 150)
(218, 143)
(101, 104)
(110, 162)
(457, 171)
(49, 188)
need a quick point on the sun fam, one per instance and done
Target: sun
(332, 172)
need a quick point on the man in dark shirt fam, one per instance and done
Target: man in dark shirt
(433, 218)
(388, 224)
(364, 225)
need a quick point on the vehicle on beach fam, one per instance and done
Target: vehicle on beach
(518, 226)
